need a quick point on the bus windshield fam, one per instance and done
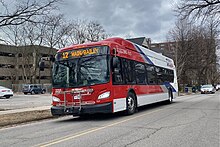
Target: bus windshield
(79, 72)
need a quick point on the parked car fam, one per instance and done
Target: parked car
(33, 89)
(5, 92)
(207, 89)
(217, 87)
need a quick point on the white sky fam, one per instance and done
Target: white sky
(122, 18)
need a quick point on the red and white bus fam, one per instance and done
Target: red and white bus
(110, 76)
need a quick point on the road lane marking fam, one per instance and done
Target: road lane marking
(91, 130)
(88, 131)
(85, 132)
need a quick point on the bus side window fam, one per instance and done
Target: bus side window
(151, 75)
(116, 71)
(171, 76)
(129, 75)
(160, 75)
(140, 73)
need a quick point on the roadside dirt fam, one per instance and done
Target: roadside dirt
(23, 117)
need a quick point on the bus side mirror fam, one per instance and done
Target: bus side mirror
(115, 62)
(41, 65)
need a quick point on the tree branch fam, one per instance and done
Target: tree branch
(27, 12)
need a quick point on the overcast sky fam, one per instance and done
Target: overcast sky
(122, 18)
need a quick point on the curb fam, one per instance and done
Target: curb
(24, 117)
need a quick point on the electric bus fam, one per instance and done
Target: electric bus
(109, 76)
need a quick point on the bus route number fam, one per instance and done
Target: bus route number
(65, 55)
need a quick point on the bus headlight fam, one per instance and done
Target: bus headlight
(104, 95)
(55, 99)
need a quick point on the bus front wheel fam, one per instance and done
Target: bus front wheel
(131, 104)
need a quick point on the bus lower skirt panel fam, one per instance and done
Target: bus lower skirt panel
(85, 109)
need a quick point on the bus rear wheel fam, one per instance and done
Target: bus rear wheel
(131, 104)
(170, 100)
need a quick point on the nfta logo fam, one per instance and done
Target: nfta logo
(58, 91)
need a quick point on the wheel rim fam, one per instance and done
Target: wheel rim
(130, 103)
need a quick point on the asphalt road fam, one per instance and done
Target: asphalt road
(20, 101)
(191, 121)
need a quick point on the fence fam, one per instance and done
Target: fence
(5, 83)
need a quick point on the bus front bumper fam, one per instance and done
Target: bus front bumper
(85, 109)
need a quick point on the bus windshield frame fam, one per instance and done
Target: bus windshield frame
(82, 71)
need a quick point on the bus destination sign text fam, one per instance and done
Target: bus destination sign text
(80, 53)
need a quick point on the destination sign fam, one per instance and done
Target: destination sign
(82, 52)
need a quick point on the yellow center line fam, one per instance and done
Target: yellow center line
(85, 132)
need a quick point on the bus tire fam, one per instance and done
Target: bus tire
(131, 103)
(170, 94)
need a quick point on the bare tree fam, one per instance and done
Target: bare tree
(32, 38)
(78, 32)
(195, 53)
(202, 9)
(53, 32)
(211, 37)
(15, 36)
(180, 34)
(57, 32)
(24, 37)
(25, 11)
(84, 31)
(95, 32)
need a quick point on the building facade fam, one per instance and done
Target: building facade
(165, 48)
(20, 64)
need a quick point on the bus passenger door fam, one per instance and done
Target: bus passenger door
(119, 89)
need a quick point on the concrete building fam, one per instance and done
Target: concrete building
(20, 64)
(165, 48)
(143, 41)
